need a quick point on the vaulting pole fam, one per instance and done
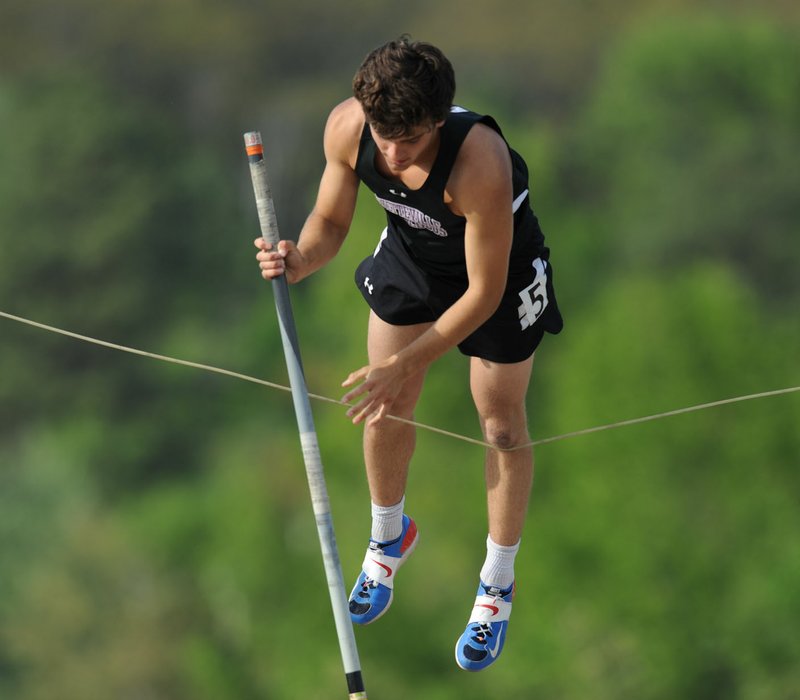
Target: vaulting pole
(305, 423)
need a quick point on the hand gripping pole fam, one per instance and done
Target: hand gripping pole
(305, 423)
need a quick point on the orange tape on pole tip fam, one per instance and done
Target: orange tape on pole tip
(253, 144)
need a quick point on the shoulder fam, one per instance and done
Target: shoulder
(483, 147)
(343, 131)
(482, 168)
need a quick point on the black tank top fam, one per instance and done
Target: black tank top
(432, 234)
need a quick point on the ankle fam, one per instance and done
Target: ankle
(498, 567)
(387, 521)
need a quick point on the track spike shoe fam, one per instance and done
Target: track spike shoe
(482, 641)
(372, 595)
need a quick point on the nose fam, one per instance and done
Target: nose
(395, 152)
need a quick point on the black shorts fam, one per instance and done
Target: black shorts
(403, 294)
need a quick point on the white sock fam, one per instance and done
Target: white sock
(387, 521)
(498, 569)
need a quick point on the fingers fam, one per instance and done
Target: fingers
(356, 412)
(378, 415)
(370, 406)
(368, 409)
(271, 261)
(352, 378)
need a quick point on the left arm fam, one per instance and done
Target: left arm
(481, 190)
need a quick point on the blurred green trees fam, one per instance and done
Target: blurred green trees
(156, 539)
(688, 150)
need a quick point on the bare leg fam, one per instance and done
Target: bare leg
(389, 444)
(499, 394)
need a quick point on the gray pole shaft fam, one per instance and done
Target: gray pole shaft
(305, 423)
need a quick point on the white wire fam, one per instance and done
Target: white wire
(440, 431)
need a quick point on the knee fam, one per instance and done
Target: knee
(406, 401)
(504, 435)
(403, 406)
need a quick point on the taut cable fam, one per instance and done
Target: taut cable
(423, 426)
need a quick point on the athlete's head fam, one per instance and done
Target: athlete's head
(404, 85)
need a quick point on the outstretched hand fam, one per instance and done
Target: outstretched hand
(379, 387)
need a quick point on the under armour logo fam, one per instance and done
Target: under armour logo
(397, 193)
(368, 285)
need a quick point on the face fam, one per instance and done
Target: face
(403, 152)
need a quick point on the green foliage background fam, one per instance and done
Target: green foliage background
(156, 536)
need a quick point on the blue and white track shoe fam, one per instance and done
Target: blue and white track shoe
(483, 640)
(374, 589)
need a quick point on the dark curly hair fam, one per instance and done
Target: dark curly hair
(404, 84)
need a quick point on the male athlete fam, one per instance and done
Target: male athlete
(462, 263)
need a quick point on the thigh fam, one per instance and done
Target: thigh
(499, 391)
(383, 341)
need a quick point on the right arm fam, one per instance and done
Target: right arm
(326, 227)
